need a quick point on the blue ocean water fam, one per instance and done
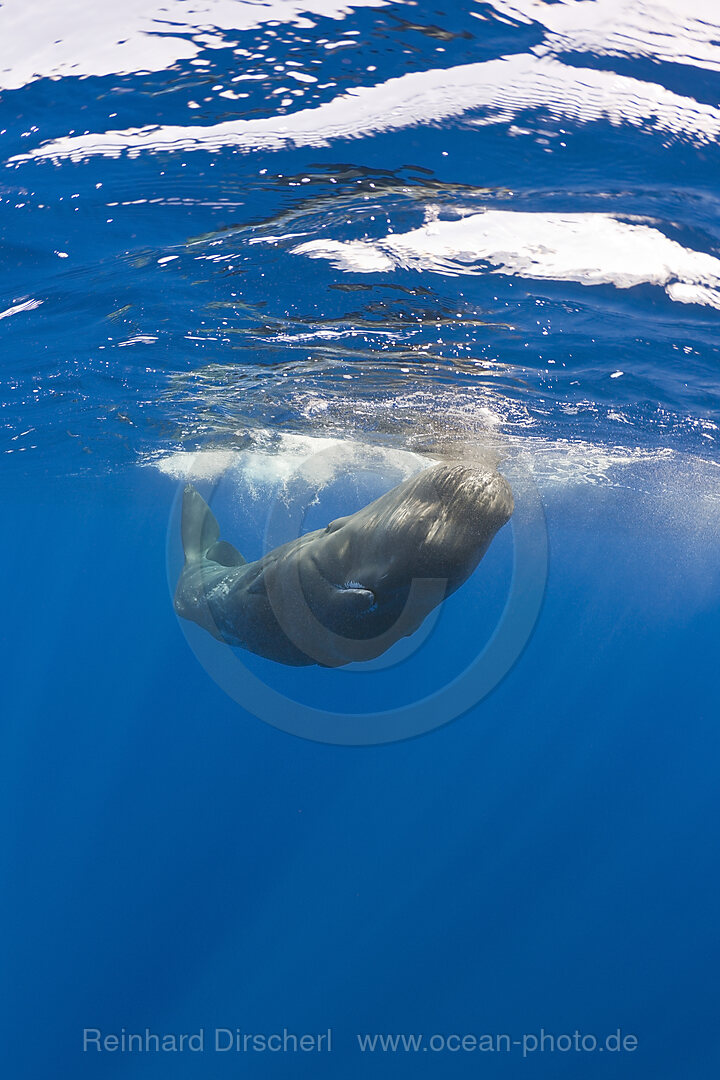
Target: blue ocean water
(291, 252)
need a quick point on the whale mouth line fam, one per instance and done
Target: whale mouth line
(350, 585)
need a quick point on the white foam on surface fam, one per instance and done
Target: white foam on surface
(82, 37)
(193, 465)
(501, 88)
(23, 305)
(554, 463)
(672, 31)
(276, 458)
(589, 248)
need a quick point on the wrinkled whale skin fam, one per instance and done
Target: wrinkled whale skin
(351, 590)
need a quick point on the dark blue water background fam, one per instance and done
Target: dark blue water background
(549, 859)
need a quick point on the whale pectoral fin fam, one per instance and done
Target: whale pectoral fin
(200, 530)
(336, 524)
(224, 553)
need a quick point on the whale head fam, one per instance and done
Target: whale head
(438, 525)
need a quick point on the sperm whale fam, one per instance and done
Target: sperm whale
(349, 591)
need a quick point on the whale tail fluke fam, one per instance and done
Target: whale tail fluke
(201, 532)
(200, 529)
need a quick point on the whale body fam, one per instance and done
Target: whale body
(349, 591)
